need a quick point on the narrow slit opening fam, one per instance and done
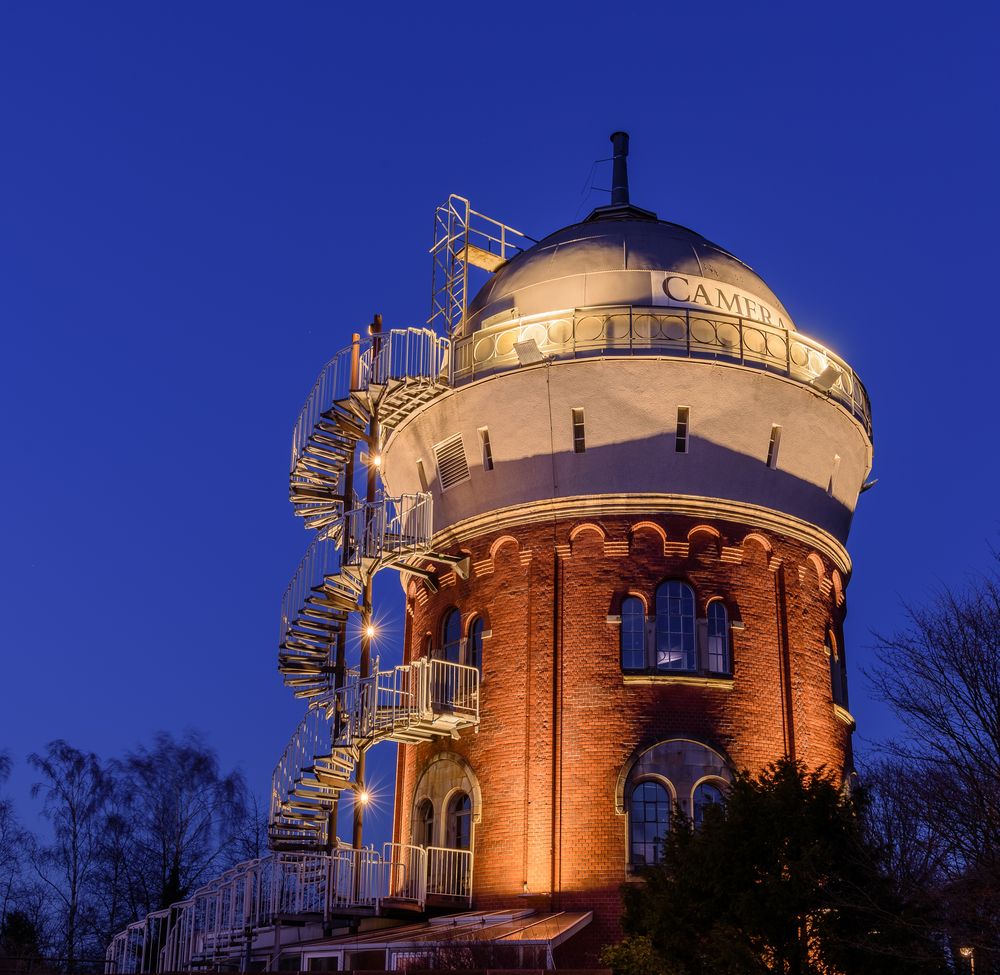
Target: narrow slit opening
(579, 433)
(772, 447)
(683, 424)
(487, 450)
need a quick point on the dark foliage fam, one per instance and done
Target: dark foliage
(781, 879)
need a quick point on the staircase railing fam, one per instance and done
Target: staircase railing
(452, 688)
(312, 737)
(320, 568)
(333, 385)
(422, 691)
(405, 354)
(449, 872)
(388, 529)
(406, 872)
(220, 917)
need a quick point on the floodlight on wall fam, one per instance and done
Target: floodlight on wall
(528, 353)
(827, 378)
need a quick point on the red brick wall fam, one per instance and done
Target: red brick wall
(559, 723)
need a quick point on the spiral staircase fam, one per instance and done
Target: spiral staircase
(360, 394)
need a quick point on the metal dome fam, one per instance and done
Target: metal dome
(621, 255)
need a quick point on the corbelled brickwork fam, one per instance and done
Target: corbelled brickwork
(561, 724)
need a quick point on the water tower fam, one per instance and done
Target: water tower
(650, 474)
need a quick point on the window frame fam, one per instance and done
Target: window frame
(727, 651)
(472, 641)
(427, 827)
(452, 613)
(454, 818)
(643, 634)
(687, 628)
(713, 782)
(669, 802)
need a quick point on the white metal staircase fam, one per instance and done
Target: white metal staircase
(410, 703)
(391, 374)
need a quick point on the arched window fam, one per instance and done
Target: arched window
(649, 820)
(474, 648)
(718, 637)
(460, 821)
(633, 634)
(705, 795)
(451, 636)
(674, 626)
(423, 832)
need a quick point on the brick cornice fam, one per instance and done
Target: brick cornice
(596, 506)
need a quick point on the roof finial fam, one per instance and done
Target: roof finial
(619, 177)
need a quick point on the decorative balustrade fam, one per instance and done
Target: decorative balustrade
(662, 331)
(219, 919)
(388, 529)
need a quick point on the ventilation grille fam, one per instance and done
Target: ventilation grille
(452, 466)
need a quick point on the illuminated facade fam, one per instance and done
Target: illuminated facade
(617, 485)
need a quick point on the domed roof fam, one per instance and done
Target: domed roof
(622, 255)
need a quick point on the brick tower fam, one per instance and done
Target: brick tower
(617, 485)
(652, 475)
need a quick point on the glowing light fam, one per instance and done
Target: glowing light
(370, 631)
(363, 797)
(377, 460)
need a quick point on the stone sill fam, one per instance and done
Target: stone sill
(690, 680)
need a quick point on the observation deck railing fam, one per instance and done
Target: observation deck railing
(663, 331)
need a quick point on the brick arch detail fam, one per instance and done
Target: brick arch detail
(624, 774)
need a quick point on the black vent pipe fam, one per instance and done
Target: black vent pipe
(619, 178)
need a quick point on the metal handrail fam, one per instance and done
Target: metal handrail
(222, 914)
(449, 872)
(320, 567)
(388, 528)
(664, 331)
(404, 354)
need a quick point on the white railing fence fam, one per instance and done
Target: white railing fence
(218, 918)
(405, 355)
(388, 528)
(449, 872)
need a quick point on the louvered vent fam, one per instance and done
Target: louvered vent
(452, 466)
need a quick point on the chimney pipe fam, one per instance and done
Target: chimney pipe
(619, 178)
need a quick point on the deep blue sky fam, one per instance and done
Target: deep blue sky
(199, 202)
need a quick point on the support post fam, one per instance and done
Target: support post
(374, 448)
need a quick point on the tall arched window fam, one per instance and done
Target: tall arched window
(451, 636)
(649, 820)
(705, 795)
(460, 821)
(674, 626)
(718, 637)
(423, 832)
(633, 634)
(474, 647)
